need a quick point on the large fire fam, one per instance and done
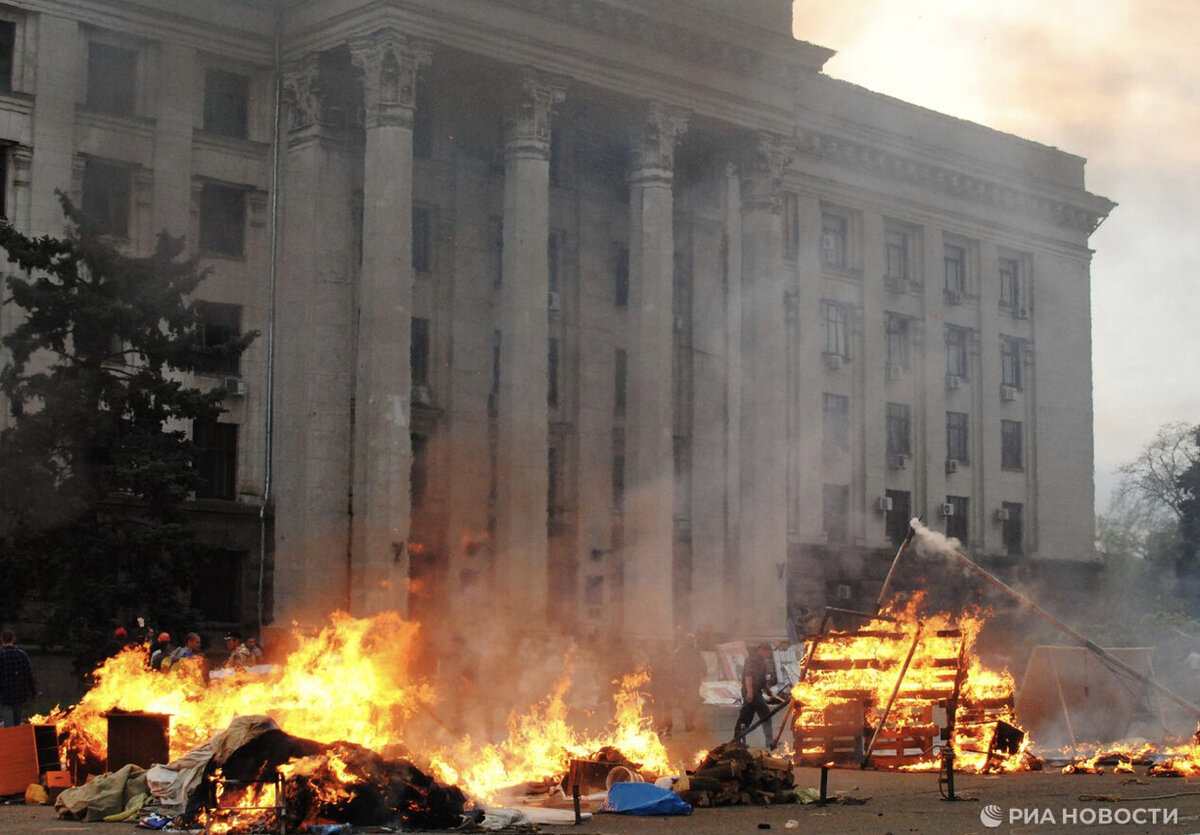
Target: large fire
(891, 675)
(354, 682)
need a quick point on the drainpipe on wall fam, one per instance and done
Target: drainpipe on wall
(273, 273)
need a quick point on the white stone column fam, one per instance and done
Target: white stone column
(764, 517)
(650, 484)
(314, 359)
(382, 444)
(522, 417)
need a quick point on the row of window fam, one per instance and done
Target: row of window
(838, 247)
(836, 317)
(955, 514)
(899, 433)
(112, 88)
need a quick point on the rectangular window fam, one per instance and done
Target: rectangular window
(1010, 361)
(835, 513)
(897, 340)
(836, 318)
(1012, 443)
(896, 253)
(419, 352)
(834, 240)
(220, 324)
(222, 219)
(899, 516)
(106, 197)
(621, 382)
(958, 436)
(422, 130)
(791, 225)
(422, 239)
(1010, 284)
(837, 421)
(955, 260)
(956, 352)
(621, 277)
(1013, 515)
(957, 523)
(215, 447)
(552, 374)
(112, 79)
(226, 103)
(899, 429)
(8, 47)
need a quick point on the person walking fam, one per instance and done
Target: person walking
(757, 695)
(17, 684)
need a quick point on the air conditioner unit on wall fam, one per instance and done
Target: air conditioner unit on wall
(898, 461)
(953, 381)
(951, 465)
(884, 503)
(233, 386)
(834, 361)
(947, 509)
(1008, 392)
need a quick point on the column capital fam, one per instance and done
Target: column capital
(527, 113)
(653, 140)
(762, 165)
(301, 91)
(389, 61)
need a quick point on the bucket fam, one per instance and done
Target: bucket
(621, 774)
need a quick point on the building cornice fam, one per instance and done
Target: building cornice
(1079, 210)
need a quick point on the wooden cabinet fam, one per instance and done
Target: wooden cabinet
(25, 752)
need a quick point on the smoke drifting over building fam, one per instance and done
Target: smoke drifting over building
(611, 317)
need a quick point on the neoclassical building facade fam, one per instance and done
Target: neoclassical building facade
(589, 314)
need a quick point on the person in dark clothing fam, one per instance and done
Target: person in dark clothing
(757, 677)
(17, 684)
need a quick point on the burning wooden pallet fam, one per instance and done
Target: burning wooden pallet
(892, 693)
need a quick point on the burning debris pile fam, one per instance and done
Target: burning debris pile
(901, 687)
(733, 774)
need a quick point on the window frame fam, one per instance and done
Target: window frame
(835, 320)
(215, 459)
(108, 97)
(835, 414)
(215, 332)
(1012, 444)
(958, 523)
(219, 233)
(958, 353)
(835, 239)
(218, 104)
(898, 425)
(1011, 356)
(958, 437)
(897, 342)
(114, 197)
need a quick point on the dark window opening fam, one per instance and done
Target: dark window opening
(422, 133)
(896, 258)
(833, 240)
(8, 46)
(1010, 283)
(897, 340)
(899, 431)
(106, 197)
(222, 219)
(957, 355)
(1011, 445)
(899, 516)
(419, 476)
(1013, 521)
(958, 436)
(1010, 362)
(957, 521)
(216, 458)
(112, 79)
(422, 239)
(955, 260)
(220, 324)
(419, 352)
(226, 103)
(836, 319)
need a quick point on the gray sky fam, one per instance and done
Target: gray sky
(1114, 81)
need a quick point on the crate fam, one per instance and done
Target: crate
(837, 739)
(26, 751)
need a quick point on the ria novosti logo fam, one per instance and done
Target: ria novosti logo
(992, 816)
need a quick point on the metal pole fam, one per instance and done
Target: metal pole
(895, 692)
(1062, 627)
(887, 581)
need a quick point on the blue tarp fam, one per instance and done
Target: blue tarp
(644, 799)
